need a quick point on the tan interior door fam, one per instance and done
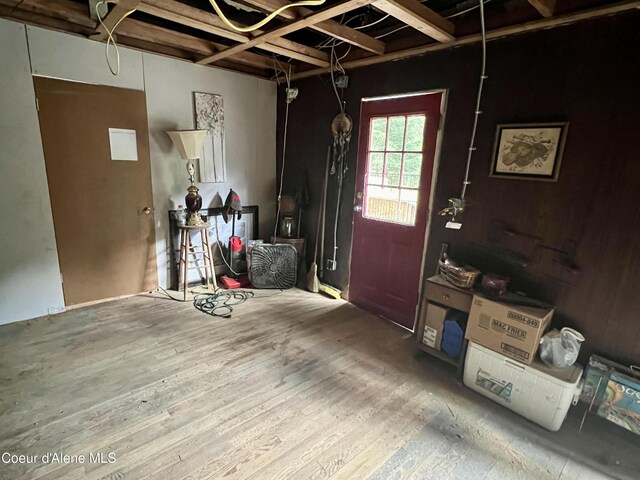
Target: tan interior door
(102, 208)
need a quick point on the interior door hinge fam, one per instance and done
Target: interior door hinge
(61, 279)
(37, 104)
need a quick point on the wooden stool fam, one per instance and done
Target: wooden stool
(186, 247)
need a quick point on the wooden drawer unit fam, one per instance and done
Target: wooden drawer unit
(443, 294)
(440, 291)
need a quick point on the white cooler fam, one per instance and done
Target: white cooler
(541, 394)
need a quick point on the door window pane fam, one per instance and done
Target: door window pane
(392, 170)
(412, 169)
(375, 167)
(395, 142)
(378, 134)
(415, 133)
(394, 167)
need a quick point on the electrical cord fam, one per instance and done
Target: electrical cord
(221, 303)
(284, 148)
(483, 77)
(169, 295)
(268, 18)
(333, 81)
(219, 243)
(110, 39)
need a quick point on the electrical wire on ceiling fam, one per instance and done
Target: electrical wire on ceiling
(268, 18)
(332, 42)
(110, 40)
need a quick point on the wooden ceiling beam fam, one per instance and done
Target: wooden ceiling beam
(151, 33)
(317, 17)
(532, 26)
(328, 27)
(545, 7)
(117, 13)
(422, 18)
(211, 23)
(74, 13)
(62, 9)
(31, 17)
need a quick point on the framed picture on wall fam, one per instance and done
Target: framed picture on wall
(529, 151)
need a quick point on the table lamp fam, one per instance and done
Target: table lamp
(189, 145)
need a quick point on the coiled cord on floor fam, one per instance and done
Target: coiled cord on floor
(221, 303)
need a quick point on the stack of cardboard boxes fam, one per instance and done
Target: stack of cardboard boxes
(513, 331)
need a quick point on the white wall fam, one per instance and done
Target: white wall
(29, 272)
(250, 139)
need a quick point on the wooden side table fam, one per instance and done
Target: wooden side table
(186, 248)
(439, 291)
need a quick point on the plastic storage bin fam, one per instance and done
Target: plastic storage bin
(541, 394)
(452, 338)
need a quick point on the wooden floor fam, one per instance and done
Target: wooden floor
(294, 385)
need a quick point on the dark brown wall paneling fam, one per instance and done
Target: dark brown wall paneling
(587, 74)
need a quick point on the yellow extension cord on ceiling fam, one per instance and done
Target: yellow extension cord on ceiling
(268, 18)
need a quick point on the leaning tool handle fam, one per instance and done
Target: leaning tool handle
(323, 209)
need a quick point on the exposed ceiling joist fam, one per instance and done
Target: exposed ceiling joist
(327, 27)
(333, 11)
(541, 24)
(152, 33)
(76, 14)
(117, 13)
(211, 23)
(422, 18)
(545, 7)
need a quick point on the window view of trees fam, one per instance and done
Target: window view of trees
(394, 166)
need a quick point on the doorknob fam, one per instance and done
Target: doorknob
(357, 208)
(146, 210)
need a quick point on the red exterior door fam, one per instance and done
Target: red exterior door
(396, 151)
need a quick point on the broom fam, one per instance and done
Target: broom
(313, 284)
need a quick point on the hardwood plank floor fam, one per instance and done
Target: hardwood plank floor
(292, 386)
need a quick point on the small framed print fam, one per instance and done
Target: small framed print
(529, 151)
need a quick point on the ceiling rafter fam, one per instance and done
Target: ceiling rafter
(144, 31)
(211, 23)
(545, 7)
(327, 27)
(532, 26)
(117, 13)
(422, 18)
(317, 17)
(76, 14)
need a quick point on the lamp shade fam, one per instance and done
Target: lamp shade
(188, 142)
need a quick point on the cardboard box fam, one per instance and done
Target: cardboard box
(433, 325)
(511, 330)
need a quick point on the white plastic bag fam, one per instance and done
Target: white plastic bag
(560, 348)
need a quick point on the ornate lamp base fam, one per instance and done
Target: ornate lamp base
(193, 201)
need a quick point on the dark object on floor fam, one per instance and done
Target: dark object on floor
(273, 266)
(221, 303)
(241, 282)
